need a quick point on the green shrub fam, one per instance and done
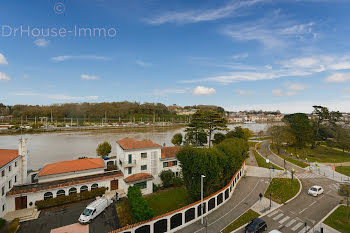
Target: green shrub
(112, 167)
(177, 181)
(13, 226)
(61, 200)
(2, 223)
(167, 177)
(139, 206)
(155, 188)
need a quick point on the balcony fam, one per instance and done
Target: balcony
(127, 164)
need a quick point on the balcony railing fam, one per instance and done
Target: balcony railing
(127, 164)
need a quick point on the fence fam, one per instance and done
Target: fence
(180, 218)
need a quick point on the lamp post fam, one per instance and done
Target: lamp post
(202, 206)
(270, 188)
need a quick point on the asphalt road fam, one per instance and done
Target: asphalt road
(62, 216)
(292, 216)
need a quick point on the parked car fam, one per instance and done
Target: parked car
(94, 209)
(255, 226)
(315, 190)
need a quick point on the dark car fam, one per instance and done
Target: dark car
(256, 225)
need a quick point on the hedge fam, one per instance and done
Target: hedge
(75, 197)
(139, 206)
(2, 223)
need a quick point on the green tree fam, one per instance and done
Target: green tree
(104, 149)
(207, 122)
(300, 127)
(219, 137)
(240, 132)
(139, 206)
(177, 139)
(167, 177)
(342, 138)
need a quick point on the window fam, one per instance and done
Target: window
(2, 173)
(10, 185)
(3, 191)
(3, 207)
(174, 163)
(142, 185)
(15, 179)
(144, 167)
(48, 195)
(129, 170)
(10, 168)
(83, 188)
(72, 190)
(176, 173)
(166, 164)
(130, 158)
(60, 192)
(94, 186)
(16, 164)
(143, 155)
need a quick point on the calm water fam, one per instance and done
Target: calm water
(47, 148)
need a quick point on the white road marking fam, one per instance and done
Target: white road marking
(278, 216)
(283, 220)
(290, 223)
(303, 229)
(272, 214)
(303, 210)
(312, 203)
(297, 226)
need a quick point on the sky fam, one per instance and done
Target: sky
(285, 55)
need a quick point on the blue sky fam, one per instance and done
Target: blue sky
(253, 54)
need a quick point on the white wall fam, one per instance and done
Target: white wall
(147, 190)
(9, 176)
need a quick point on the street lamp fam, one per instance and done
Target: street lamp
(202, 206)
(270, 188)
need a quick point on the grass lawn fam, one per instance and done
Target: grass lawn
(245, 218)
(262, 161)
(321, 154)
(167, 200)
(338, 221)
(289, 159)
(124, 213)
(282, 189)
(343, 170)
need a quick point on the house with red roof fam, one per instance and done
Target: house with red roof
(142, 161)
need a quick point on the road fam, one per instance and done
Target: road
(292, 216)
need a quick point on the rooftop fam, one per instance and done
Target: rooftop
(71, 166)
(7, 156)
(138, 176)
(169, 152)
(62, 183)
(131, 143)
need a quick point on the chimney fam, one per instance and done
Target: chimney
(22, 150)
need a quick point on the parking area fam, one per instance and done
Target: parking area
(62, 216)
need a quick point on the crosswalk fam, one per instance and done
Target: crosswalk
(334, 187)
(293, 224)
(308, 175)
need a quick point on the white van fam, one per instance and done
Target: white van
(94, 209)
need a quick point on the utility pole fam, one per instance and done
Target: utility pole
(202, 206)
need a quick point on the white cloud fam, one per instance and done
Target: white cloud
(83, 57)
(200, 90)
(41, 42)
(202, 15)
(346, 89)
(279, 92)
(242, 92)
(294, 106)
(3, 60)
(240, 56)
(296, 86)
(165, 92)
(273, 31)
(4, 77)
(338, 78)
(143, 63)
(89, 77)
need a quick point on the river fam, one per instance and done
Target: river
(45, 148)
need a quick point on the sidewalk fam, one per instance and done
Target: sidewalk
(328, 172)
(265, 172)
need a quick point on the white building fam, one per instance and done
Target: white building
(13, 170)
(143, 161)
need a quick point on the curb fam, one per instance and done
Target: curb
(301, 187)
(330, 212)
(265, 157)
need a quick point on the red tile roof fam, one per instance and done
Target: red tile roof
(138, 176)
(130, 144)
(7, 156)
(71, 166)
(170, 152)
